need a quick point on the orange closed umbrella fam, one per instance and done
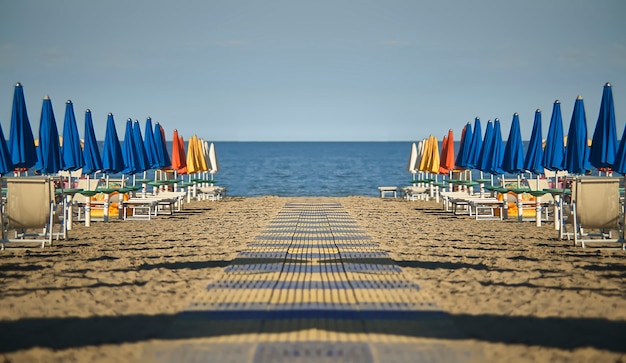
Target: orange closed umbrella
(181, 146)
(179, 162)
(447, 154)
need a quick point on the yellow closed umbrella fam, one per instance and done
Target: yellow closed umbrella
(433, 161)
(192, 158)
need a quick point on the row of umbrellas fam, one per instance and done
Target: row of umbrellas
(138, 153)
(490, 154)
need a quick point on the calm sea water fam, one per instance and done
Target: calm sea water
(311, 168)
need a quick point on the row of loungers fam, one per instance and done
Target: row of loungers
(135, 203)
(485, 205)
(586, 209)
(34, 211)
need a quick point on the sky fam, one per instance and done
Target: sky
(324, 70)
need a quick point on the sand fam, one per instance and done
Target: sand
(516, 292)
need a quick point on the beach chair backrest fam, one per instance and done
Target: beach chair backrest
(541, 184)
(85, 184)
(597, 201)
(29, 201)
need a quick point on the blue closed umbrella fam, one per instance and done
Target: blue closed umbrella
(21, 141)
(142, 158)
(159, 139)
(464, 148)
(483, 159)
(604, 141)
(71, 153)
(129, 153)
(6, 165)
(49, 150)
(112, 160)
(150, 145)
(495, 155)
(91, 152)
(554, 151)
(475, 146)
(577, 150)
(513, 159)
(534, 154)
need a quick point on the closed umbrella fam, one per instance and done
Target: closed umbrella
(6, 165)
(112, 159)
(534, 154)
(72, 157)
(430, 160)
(462, 158)
(93, 160)
(532, 162)
(129, 152)
(475, 146)
(495, 159)
(513, 158)
(412, 160)
(91, 152)
(150, 145)
(143, 164)
(423, 163)
(215, 166)
(446, 162)
(434, 155)
(554, 150)
(164, 160)
(495, 151)
(179, 159)
(577, 150)
(420, 154)
(604, 141)
(21, 141)
(192, 162)
(49, 150)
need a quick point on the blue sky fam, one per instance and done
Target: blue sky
(331, 70)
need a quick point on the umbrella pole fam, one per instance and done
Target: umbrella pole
(537, 205)
(505, 198)
(88, 205)
(557, 204)
(69, 201)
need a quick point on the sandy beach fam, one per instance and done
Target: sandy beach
(516, 292)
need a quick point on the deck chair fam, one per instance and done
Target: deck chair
(79, 201)
(546, 202)
(29, 211)
(596, 207)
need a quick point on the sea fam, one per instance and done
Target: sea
(334, 169)
(311, 168)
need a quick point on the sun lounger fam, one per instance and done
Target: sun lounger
(413, 193)
(446, 198)
(596, 207)
(210, 193)
(392, 190)
(140, 208)
(478, 207)
(29, 211)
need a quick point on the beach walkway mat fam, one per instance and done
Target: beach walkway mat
(313, 287)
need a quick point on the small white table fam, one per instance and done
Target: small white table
(384, 190)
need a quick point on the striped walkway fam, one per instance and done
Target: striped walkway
(312, 287)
